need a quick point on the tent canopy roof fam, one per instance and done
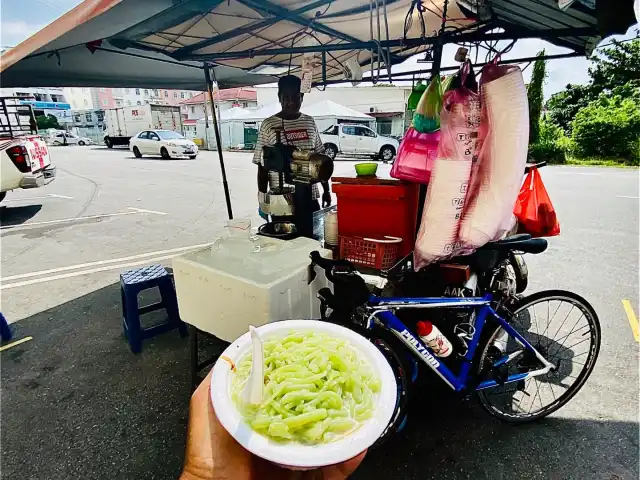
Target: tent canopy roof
(327, 108)
(256, 35)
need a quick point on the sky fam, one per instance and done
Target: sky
(19, 19)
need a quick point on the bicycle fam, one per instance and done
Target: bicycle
(494, 359)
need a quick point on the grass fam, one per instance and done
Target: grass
(599, 162)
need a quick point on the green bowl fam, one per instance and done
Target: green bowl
(367, 168)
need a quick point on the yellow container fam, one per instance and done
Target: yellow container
(198, 141)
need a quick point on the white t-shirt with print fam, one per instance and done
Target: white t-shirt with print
(301, 132)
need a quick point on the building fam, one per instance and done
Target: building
(193, 108)
(103, 97)
(44, 101)
(126, 97)
(384, 102)
(79, 98)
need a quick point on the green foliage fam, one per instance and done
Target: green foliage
(535, 96)
(616, 66)
(609, 127)
(552, 145)
(562, 107)
(614, 71)
(47, 121)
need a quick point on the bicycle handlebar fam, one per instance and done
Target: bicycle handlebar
(531, 166)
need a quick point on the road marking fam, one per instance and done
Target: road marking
(103, 262)
(133, 211)
(14, 344)
(55, 195)
(85, 272)
(45, 197)
(626, 196)
(142, 210)
(633, 320)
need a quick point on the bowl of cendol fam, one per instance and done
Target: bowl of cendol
(328, 394)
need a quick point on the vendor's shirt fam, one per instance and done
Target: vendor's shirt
(301, 132)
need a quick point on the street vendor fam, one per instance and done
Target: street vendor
(296, 129)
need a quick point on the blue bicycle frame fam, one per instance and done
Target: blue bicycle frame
(382, 308)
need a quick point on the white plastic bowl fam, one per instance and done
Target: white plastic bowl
(294, 454)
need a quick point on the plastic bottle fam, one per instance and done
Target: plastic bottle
(434, 339)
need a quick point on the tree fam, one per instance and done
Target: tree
(562, 107)
(614, 68)
(610, 126)
(535, 96)
(48, 121)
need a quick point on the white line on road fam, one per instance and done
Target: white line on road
(55, 195)
(142, 210)
(28, 199)
(84, 272)
(104, 262)
(133, 211)
(626, 196)
(67, 220)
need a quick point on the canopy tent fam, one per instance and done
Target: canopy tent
(168, 37)
(327, 113)
(234, 121)
(76, 50)
(258, 35)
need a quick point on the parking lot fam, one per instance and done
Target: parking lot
(77, 404)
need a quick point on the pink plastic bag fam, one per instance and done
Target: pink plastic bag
(447, 192)
(415, 157)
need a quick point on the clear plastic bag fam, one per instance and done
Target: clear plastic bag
(447, 192)
(497, 175)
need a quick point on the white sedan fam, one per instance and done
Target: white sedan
(67, 138)
(165, 143)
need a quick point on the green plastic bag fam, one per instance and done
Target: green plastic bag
(427, 116)
(415, 95)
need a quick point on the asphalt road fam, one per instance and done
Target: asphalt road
(77, 404)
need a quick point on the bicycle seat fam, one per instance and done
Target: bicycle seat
(522, 243)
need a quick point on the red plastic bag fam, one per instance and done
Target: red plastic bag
(534, 210)
(415, 156)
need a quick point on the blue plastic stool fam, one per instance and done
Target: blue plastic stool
(5, 331)
(132, 282)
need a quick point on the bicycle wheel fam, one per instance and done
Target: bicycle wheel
(569, 338)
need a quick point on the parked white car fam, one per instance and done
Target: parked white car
(165, 143)
(358, 140)
(67, 138)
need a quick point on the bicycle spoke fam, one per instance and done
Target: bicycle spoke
(552, 393)
(534, 398)
(562, 324)
(564, 339)
(560, 346)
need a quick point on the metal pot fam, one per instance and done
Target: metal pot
(280, 230)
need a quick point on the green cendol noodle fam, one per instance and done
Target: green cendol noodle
(317, 389)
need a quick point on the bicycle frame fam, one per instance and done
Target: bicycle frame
(382, 310)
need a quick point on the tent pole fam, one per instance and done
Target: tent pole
(216, 129)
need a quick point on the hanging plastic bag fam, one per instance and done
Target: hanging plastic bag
(415, 157)
(426, 119)
(534, 210)
(447, 192)
(497, 175)
(419, 146)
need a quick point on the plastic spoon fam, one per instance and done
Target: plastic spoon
(254, 389)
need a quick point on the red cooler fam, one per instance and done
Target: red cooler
(377, 207)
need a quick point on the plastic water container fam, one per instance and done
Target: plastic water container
(223, 290)
(331, 228)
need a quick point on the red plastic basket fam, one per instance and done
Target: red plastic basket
(380, 254)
